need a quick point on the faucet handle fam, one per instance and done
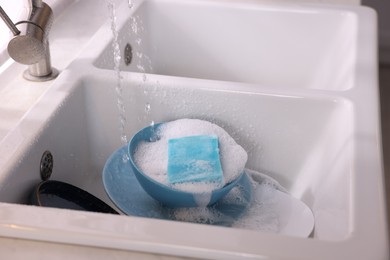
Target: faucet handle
(30, 44)
(8, 22)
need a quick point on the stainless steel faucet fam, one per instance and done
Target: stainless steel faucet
(30, 44)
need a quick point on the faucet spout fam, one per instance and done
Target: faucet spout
(30, 44)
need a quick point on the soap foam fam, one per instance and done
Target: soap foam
(197, 215)
(261, 214)
(152, 157)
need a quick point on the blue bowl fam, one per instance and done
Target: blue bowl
(166, 195)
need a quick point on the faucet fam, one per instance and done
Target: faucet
(30, 44)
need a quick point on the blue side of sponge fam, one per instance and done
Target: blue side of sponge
(194, 159)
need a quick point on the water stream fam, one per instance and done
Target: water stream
(135, 28)
(117, 62)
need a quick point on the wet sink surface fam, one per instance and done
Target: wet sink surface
(293, 96)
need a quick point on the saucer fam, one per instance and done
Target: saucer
(257, 202)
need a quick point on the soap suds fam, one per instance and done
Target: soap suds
(152, 157)
(260, 214)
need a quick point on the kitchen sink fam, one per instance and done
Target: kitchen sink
(294, 84)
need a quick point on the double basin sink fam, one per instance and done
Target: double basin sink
(294, 84)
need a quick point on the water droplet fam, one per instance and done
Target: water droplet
(140, 68)
(125, 157)
(147, 107)
(124, 138)
(117, 58)
(134, 26)
(130, 2)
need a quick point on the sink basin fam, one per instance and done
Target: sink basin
(301, 96)
(312, 49)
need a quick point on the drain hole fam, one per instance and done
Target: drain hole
(46, 167)
(128, 54)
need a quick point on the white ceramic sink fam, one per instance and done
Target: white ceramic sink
(233, 42)
(295, 85)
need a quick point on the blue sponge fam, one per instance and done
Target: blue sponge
(194, 159)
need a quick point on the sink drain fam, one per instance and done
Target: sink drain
(46, 167)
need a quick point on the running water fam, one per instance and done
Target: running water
(118, 87)
(143, 62)
(117, 62)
